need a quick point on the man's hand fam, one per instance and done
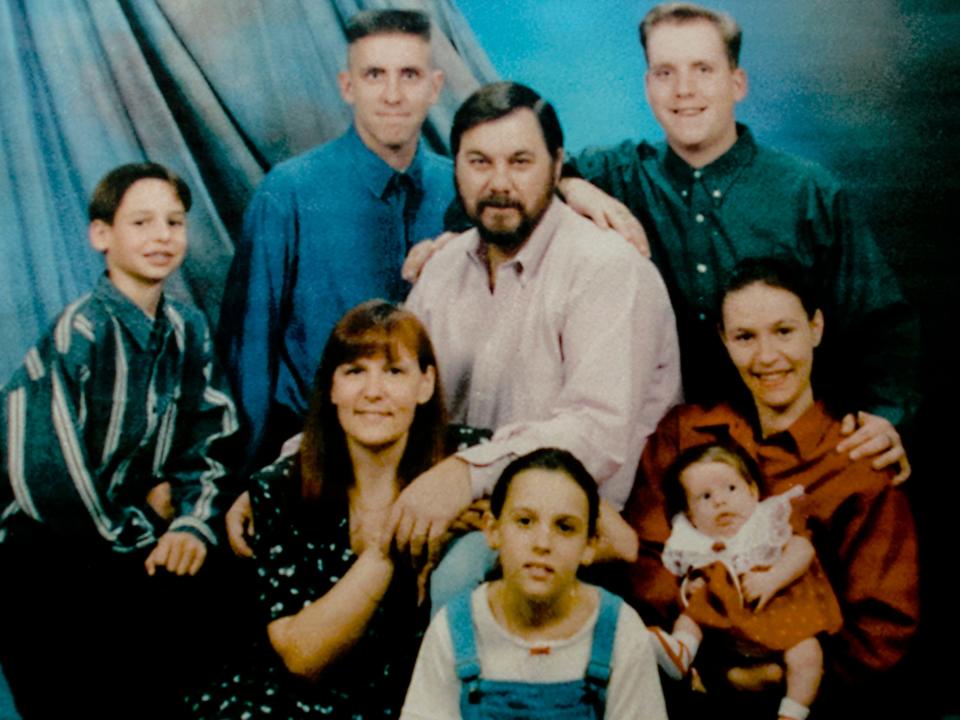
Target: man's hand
(239, 522)
(473, 518)
(605, 211)
(616, 540)
(160, 498)
(874, 436)
(420, 253)
(180, 553)
(427, 507)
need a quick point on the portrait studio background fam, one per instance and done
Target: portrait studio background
(221, 90)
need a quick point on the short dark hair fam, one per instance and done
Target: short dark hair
(499, 99)
(382, 22)
(727, 452)
(776, 272)
(684, 12)
(550, 459)
(109, 192)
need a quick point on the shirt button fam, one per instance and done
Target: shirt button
(716, 193)
(699, 217)
(683, 193)
(697, 174)
(701, 268)
(702, 316)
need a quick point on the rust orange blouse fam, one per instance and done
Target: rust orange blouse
(862, 527)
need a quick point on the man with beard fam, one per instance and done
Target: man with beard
(548, 331)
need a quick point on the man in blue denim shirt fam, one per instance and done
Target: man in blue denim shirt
(330, 228)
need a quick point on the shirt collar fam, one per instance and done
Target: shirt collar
(528, 260)
(140, 325)
(682, 175)
(805, 436)
(374, 172)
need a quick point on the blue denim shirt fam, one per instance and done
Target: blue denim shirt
(324, 232)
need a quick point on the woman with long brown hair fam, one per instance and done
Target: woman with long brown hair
(342, 618)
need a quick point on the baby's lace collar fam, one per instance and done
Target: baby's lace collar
(759, 542)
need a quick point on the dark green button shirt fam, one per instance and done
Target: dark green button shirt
(756, 202)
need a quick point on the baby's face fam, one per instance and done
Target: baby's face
(719, 499)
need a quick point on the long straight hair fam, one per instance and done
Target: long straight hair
(372, 328)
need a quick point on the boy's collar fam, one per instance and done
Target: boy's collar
(140, 325)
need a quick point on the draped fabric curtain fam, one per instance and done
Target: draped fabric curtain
(219, 90)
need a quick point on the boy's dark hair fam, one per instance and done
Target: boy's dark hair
(774, 272)
(109, 192)
(381, 22)
(683, 12)
(727, 452)
(550, 459)
(499, 99)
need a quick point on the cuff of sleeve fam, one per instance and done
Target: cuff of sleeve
(486, 465)
(790, 708)
(195, 527)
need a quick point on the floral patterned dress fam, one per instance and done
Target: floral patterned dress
(300, 554)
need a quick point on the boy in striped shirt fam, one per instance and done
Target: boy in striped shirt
(111, 432)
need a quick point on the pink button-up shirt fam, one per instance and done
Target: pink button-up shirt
(575, 348)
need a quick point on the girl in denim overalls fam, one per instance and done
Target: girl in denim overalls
(538, 643)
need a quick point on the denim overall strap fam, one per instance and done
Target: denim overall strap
(502, 699)
(604, 634)
(460, 622)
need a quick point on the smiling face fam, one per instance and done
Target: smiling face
(719, 499)
(770, 340)
(542, 534)
(391, 84)
(376, 397)
(506, 177)
(147, 239)
(693, 89)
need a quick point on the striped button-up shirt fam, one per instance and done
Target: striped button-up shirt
(107, 405)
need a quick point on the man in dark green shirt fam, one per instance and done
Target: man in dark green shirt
(711, 196)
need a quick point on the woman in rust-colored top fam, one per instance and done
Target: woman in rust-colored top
(861, 523)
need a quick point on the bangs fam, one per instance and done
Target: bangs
(383, 339)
